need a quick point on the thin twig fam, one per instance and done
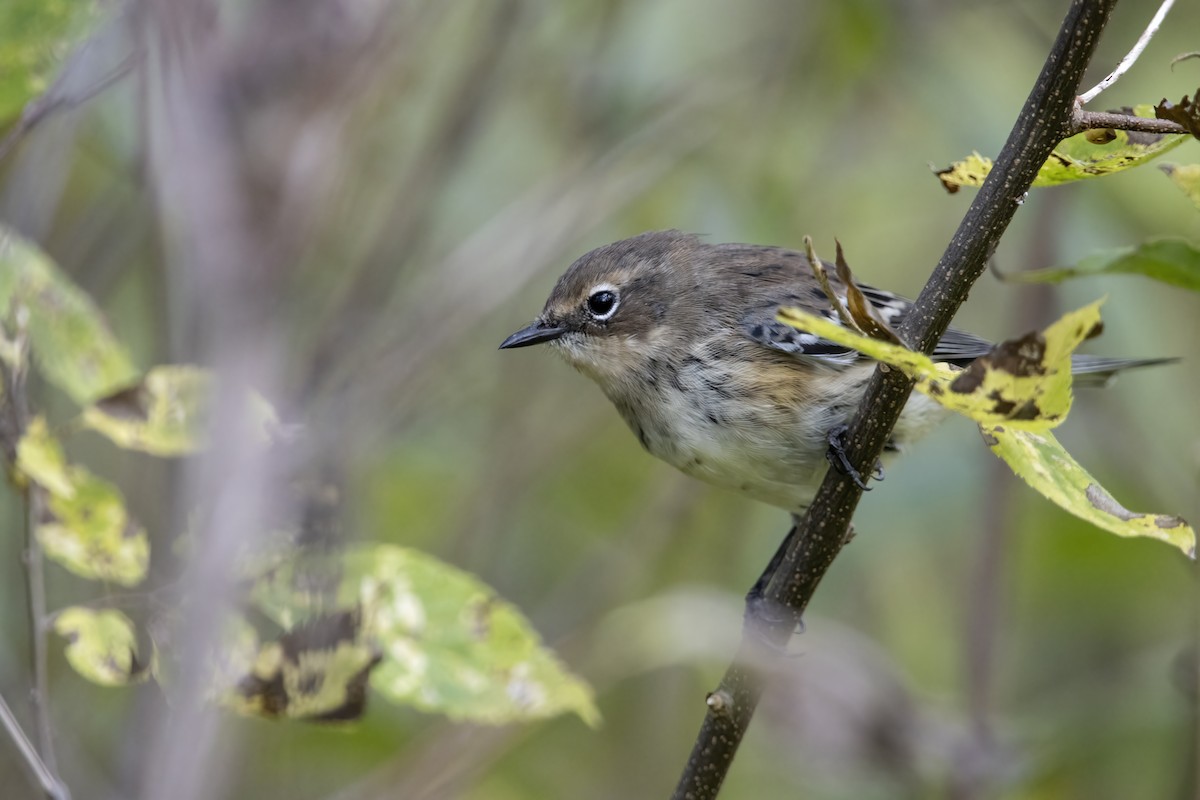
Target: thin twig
(1092, 120)
(1043, 122)
(35, 572)
(13, 428)
(56, 98)
(45, 777)
(1132, 56)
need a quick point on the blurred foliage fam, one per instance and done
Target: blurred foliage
(441, 639)
(1187, 178)
(37, 36)
(85, 526)
(1172, 261)
(75, 349)
(446, 643)
(400, 183)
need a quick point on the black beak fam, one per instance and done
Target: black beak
(533, 333)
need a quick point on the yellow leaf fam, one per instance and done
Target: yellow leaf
(1042, 462)
(164, 414)
(1024, 382)
(101, 646)
(86, 528)
(72, 344)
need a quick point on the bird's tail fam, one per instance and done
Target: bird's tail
(1098, 371)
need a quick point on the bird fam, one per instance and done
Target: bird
(682, 337)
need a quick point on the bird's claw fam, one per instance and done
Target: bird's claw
(841, 462)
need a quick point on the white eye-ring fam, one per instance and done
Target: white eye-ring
(603, 302)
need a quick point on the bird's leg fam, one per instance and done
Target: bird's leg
(836, 454)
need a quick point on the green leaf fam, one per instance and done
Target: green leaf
(448, 644)
(165, 414)
(1187, 178)
(86, 527)
(73, 347)
(34, 36)
(102, 646)
(40, 457)
(1075, 158)
(1024, 383)
(1172, 261)
(1042, 462)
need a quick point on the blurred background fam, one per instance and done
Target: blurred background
(349, 203)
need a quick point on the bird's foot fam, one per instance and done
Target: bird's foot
(836, 454)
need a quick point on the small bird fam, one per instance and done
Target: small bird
(682, 338)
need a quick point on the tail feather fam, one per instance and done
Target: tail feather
(1098, 371)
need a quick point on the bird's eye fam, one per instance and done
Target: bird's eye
(602, 303)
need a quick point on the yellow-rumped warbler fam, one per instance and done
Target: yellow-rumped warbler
(682, 338)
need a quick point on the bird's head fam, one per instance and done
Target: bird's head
(617, 306)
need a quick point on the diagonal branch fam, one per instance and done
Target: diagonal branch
(1044, 120)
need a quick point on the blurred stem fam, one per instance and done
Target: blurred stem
(1189, 681)
(1043, 122)
(985, 593)
(41, 761)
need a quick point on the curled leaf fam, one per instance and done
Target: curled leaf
(1186, 112)
(864, 313)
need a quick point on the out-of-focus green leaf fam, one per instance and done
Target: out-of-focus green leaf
(1075, 158)
(1187, 178)
(167, 412)
(448, 643)
(72, 346)
(86, 528)
(34, 37)
(40, 457)
(1024, 383)
(317, 670)
(1042, 462)
(164, 414)
(102, 646)
(1173, 261)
